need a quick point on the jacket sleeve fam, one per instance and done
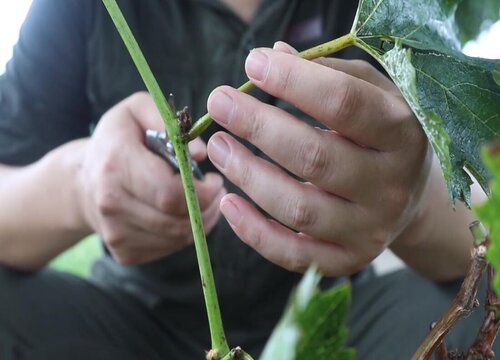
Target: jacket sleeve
(42, 93)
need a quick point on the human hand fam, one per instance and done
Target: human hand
(130, 196)
(363, 177)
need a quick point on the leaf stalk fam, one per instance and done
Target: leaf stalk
(325, 49)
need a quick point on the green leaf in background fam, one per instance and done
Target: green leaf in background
(473, 15)
(78, 259)
(489, 213)
(313, 324)
(455, 98)
(323, 334)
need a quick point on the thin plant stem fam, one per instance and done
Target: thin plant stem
(324, 49)
(464, 302)
(218, 337)
(442, 352)
(482, 348)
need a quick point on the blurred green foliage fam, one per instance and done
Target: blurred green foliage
(78, 259)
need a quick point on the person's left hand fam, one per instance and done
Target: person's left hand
(363, 177)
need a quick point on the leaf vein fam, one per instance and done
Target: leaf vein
(413, 32)
(492, 117)
(474, 86)
(370, 15)
(447, 91)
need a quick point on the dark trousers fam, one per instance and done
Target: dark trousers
(51, 315)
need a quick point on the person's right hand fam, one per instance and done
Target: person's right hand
(130, 196)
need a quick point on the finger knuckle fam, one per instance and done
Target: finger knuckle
(398, 118)
(380, 237)
(109, 164)
(257, 237)
(357, 261)
(296, 262)
(356, 266)
(257, 241)
(157, 226)
(108, 202)
(298, 214)
(126, 259)
(346, 101)
(245, 178)
(313, 159)
(255, 127)
(183, 232)
(114, 239)
(166, 203)
(285, 80)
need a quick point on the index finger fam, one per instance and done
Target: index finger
(357, 68)
(357, 109)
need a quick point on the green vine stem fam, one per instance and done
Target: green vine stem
(324, 49)
(218, 337)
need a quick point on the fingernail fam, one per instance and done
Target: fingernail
(230, 212)
(218, 151)
(220, 107)
(284, 47)
(257, 65)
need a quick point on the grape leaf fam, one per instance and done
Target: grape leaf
(489, 214)
(455, 98)
(421, 24)
(496, 74)
(468, 100)
(312, 326)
